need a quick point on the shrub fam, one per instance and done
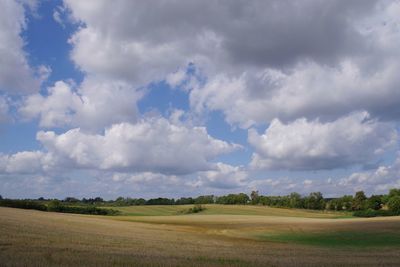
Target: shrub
(394, 204)
(22, 204)
(374, 213)
(196, 209)
(55, 205)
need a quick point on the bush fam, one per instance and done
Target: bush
(196, 209)
(22, 204)
(87, 210)
(374, 213)
(394, 204)
(55, 206)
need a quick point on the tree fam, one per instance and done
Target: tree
(55, 205)
(1, 198)
(255, 198)
(394, 192)
(98, 200)
(295, 201)
(204, 199)
(71, 199)
(374, 202)
(394, 204)
(314, 201)
(346, 202)
(335, 204)
(359, 201)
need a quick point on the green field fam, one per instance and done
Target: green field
(222, 235)
(215, 209)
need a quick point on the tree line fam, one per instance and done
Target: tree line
(360, 204)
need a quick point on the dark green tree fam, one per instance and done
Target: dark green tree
(359, 201)
(394, 204)
(55, 205)
(314, 201)
(255, 198)
(394, 192)
(296, 201)
(374, 202)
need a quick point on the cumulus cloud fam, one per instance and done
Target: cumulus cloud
(26, 162)
(379, 180)
(312, 145)
(95, 105)
(148, 183)
(308, 90)
(262, 60)
(276, 33)
(224, 176)
(374, 181)
(152, 144)
(258, 62)
(3, 109)
(16, 76)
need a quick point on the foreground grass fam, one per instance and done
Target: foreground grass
(34, 238)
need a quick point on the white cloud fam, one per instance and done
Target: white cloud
(307, 90)
(149, 182)
(152, 144)
(311, 145)
(375, 181)
(143, 42)
(95, 105)
(224, 176)
(58, 13)
(16, 76)
(26, 162)
(3, 109)
(378, 180)
(262, 60)
(176, 78)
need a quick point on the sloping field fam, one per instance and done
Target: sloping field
(34, 238)
(228, 210)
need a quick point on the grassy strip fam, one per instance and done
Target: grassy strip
(56, 207)
(338, 239)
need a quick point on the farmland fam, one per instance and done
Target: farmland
(221, 235)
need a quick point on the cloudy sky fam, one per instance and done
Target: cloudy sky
(182, 98)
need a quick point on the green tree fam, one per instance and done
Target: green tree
(255, 198)
(314, 201)
(394, 192)
(394, 204)
(374, 202)
(359, 201)
(295, 200)
(346, 202)
(55, 205)
(208, 199)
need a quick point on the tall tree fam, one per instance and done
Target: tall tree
(359, 201)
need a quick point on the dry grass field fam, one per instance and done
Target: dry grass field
(219, 236)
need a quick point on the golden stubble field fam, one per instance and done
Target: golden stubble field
(221, 236)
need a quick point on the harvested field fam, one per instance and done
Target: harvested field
(35, 238)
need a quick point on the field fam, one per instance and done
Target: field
(218, 236)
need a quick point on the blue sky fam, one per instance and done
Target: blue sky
(144, 101)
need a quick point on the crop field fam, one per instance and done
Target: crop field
(218, 236)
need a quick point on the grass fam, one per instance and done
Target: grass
(338, 239)
(218, 236)
(214, 209)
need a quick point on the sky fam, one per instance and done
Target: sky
(186, 98)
